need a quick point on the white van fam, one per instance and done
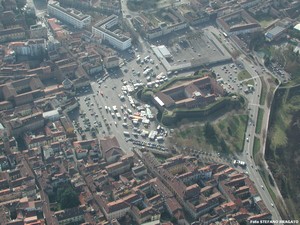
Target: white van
(126, 133)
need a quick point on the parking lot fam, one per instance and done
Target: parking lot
(230, 79)
(109, 108)
(279, 72)
(195, 47)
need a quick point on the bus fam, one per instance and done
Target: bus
(225, 35)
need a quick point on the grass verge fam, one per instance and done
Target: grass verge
(264, 176)
(263, 94)
(256, 146)
(259, 120)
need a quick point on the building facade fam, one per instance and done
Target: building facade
(101, 29)
(71, 16)
(12, 34)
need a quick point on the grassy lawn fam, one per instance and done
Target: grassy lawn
(192, 136)
(251, 82)
(278, 132)
(259, 120)
(279, 137)
(142, 5)
(230, 129)
(160, 158)
(244, 74)
(264, 21)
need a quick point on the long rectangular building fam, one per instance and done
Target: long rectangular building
(71, 16)
(101, 29)
(246, 24)
(12, 34)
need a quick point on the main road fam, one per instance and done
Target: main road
(253, 108)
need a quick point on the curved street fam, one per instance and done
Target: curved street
(248, 156)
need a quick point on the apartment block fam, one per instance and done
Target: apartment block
(238, 22)
(118, 40)
(70, 16)
(32, 47)
(12, 34)
(38, 31)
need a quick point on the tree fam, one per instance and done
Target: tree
(20, 3)
(67, 198)
(267, 60)
(224, 146)
(174, 220)
(30, 19)
(209, 131)
(257, 40)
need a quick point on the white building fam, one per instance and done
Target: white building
(297, 27)
(164, 51)
(71, 16)
(275, 33)
(32, 47)
(52, 115)
(101, 29)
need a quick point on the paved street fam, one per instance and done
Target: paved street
(255, 71)
(248, 147)
(97, 103)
